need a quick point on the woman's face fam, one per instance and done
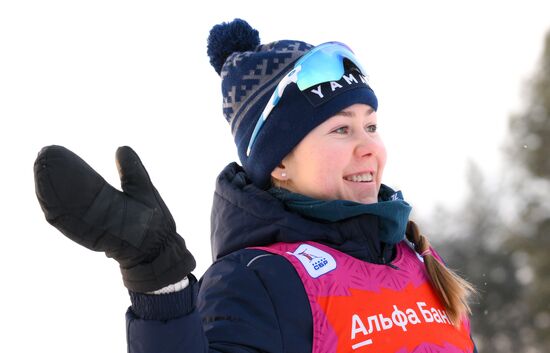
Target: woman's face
(343, 158)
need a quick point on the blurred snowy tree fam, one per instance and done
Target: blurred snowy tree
(500, 237)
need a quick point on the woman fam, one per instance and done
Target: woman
(308, 245)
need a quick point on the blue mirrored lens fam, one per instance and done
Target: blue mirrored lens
(324, 63)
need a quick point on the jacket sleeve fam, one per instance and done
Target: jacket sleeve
(166, 323)
(183, 334)
(233, 314)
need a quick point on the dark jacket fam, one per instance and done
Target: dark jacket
(248, 300)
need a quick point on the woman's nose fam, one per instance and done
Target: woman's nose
(364, 150)
(367, 145)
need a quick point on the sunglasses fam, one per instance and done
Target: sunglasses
(323, 63)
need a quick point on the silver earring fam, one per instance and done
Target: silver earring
(283, 174)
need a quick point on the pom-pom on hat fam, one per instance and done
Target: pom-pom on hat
(250, 72)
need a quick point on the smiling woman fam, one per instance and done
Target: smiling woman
(310, 248)
(342, 158)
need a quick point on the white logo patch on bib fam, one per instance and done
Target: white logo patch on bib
(316, 261)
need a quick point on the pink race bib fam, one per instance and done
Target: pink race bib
(362, 307)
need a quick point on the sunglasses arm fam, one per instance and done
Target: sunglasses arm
(292, 76)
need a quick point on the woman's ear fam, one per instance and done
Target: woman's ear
(279, 173)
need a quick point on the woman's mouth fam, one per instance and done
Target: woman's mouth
(360, 178)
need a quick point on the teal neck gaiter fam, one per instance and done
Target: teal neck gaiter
(392, 211)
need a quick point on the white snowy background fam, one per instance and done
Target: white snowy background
(95, 75)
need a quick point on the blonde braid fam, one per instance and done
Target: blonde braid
(453, 290)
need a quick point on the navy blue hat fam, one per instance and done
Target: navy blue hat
(250, 72)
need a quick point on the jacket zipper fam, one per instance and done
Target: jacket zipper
(383, 259)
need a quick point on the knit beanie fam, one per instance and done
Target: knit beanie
(250, 72)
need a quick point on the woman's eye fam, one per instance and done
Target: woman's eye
(341, 130)
(372, 128)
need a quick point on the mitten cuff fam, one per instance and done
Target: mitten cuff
(174, 287)
(170, 266)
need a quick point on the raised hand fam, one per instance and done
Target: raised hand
(133, 226)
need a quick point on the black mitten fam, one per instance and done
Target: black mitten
(134, 226)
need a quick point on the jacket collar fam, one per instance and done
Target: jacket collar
(246, 216)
